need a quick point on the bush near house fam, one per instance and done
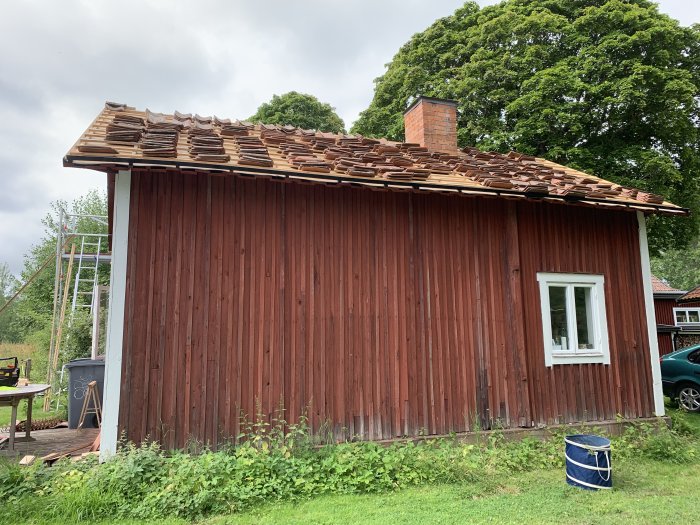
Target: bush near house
(274, 466)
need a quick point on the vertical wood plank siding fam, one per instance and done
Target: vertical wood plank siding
(663, 308)
(665, 343)
(384, 314)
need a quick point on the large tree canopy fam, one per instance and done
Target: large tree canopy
(607, 86)
(7, 286)
(300, 110)
(681, 268)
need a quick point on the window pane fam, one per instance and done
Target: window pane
(557, 315)
(584, 317)
(680, 317)
(693, 316)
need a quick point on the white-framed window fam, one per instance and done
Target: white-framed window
(686, 316)
(574, 322)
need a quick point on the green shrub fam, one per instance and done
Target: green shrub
(658, 442)
(278, 462)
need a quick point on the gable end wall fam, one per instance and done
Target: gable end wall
(382, 314)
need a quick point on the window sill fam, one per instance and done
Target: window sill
(564, 353)
(558, 358)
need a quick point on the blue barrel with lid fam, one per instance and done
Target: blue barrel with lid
(588, 462)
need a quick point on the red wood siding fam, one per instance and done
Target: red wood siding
(665, 343)
(664, 311)
(693, 304)
(386, 314)
(663, 308)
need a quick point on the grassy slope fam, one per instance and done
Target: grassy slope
(646, 492)
(37, 412)
(20, 351)
(23, 352)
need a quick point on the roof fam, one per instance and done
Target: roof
(692, 296)
(661, 288)
(122, 137)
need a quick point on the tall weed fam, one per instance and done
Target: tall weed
(281, 462)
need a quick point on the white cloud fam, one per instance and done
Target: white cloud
(62, 60)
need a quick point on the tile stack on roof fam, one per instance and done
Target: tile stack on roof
(251, 150)
(162, 134)
(205, 144)
(122, 133)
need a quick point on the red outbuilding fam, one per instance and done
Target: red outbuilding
(386, 288)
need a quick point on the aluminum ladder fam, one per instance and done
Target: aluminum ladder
(82, 295)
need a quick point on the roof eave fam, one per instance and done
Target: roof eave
(108, 164)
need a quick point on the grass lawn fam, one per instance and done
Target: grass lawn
(645, 491)
(37, 412)
(20, 351)
(24, 352)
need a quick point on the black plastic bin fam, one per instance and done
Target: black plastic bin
(80, 373)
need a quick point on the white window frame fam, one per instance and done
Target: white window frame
(681, 309)
(601, 353)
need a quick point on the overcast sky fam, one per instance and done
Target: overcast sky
(61, 60)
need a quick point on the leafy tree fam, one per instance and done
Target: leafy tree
(7, 281)
(681, 268)
(607, 86)
(300, 110)
(8, 284)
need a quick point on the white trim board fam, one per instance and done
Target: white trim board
(115, 318)
(659, 409)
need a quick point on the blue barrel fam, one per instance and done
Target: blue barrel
(588, 462)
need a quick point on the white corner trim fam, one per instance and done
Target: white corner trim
(115, 317)
(659, 409)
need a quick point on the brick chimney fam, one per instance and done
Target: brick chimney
(432, 122)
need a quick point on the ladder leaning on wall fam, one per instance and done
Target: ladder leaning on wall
(87, 274)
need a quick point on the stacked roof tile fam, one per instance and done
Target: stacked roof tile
(121, 135)
(691, 297)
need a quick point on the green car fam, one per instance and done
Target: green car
(680, 373)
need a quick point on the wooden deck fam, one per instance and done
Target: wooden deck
(59, 440)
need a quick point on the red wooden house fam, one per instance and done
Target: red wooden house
(664, 304)
(390, 289)
(686, 317)
(677, 316)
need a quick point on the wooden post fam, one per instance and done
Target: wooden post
(28, 423)
(13, 424)
(659, 409)
(96, 324)
(59, 334)
(57, 280)
(115, 315)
